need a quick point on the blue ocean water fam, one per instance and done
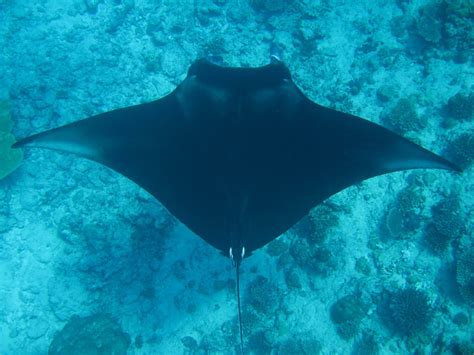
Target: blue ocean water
(90, 263)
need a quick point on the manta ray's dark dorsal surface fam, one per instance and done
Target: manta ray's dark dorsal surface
(239, 155)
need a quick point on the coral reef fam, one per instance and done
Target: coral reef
(138, 341)
(362, 265)
(271, 5)
(461, 106)
(292, 279)
(277, 247)
(462, 348)
(403, 216)
(430, 22)
(189, 342)
(368, 344)
(316, 226)
(460, 319)
(446, 215)
(458, 29)
(96, 334)
(301, 344)
(262, 295)
(212, 343)
(92, 5)
(461, 150)
(403, 117)
(10, 158)
(465, 274)
(407, 312)
(318, 260)
(447, 224)
(347, 314)
(436, 241)
(258, 344)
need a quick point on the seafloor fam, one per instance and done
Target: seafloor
(89, 263)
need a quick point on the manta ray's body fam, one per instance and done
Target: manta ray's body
(239, 155)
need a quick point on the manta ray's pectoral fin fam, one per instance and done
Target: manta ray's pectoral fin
(360, 149)
(106, 137)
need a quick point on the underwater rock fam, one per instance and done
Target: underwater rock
(96, 334)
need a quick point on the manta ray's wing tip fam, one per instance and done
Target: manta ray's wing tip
(453, 167)
(34, 140)
(23, 142)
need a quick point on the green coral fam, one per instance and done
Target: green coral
(9, 158)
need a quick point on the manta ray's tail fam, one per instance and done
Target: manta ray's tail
(237, 273)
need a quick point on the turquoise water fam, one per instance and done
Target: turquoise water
(90, 263)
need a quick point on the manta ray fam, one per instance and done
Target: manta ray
(238, 155)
